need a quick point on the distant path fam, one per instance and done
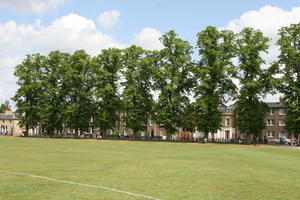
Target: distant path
(81, 184)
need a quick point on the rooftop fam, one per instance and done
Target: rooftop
(8, 115)
(275, 105)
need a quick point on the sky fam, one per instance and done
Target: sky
(31, 26)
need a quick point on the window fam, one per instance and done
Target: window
(227, 122)
(281, 123)
(282, 134)
(282, 111)
(243, 135)
(271, 111)
(270, 122)
(270, 134)
(227, 134)
(161, 133)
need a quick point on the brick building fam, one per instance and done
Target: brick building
(9, 124)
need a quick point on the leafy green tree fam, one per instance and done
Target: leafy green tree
(213, 74)
(289, 68)
(255, 82)
(172, 77)
(137, 97)
(105, 70)
(79, 85)
(4, 106)
(30, 93)
(54, 99)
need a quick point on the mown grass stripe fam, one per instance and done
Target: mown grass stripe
(81, 184)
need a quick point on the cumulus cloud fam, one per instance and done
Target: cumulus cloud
(73, 32)
(148, 38)
(8, 81)
(32, 6)
(16, 37)
(269, 20)
(68, 33)
(109, 19)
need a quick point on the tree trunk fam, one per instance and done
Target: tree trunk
(249, 138)
(76, 133)
(26, 131)
(205, 136)
(169, 136)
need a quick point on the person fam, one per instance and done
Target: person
(293, 142)
(265, 140)
(254, 141)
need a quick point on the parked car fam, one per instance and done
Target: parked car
(282, 141)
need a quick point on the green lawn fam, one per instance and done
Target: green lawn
(161, 170)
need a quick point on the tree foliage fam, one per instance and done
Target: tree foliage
(64, 91)
(79, 97)
(255, 81)
(213, 77)
(172, 81)
(54, 101)
(137, 96)
(289, 68)
(4, 106)
(29, 96)
(106, 99)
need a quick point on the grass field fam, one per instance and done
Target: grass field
(160, 170)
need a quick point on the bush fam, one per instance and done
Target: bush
(116, 134)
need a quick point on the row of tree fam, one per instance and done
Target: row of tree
(72, 91)
(4, 106)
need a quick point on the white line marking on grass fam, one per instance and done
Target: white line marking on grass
(81, 184)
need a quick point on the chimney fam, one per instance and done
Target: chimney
(8, 111)
(281, 98)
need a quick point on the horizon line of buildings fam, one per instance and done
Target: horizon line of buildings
(275, 126)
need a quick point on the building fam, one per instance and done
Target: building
(275, 121)
(275, 127)
(9, 124)
(228, 130)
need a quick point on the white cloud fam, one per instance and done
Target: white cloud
(14, 37)
(269, 20)
(68, 33)
(148, 38)
(73, 32)
(109, 19)
(32, 6)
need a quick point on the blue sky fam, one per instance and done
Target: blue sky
(29, 26)
(187, 17)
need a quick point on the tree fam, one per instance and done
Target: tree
(255, 82)
(137, 97)
(105, 69)
(54, 99)
(79, 84)
(4, 106)
(289, 67)
(213, 77)
(30, 93)
(173, 81)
